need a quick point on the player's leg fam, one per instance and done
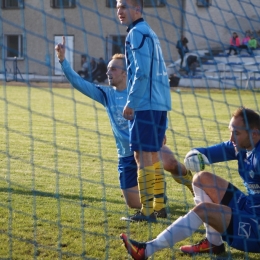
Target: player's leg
(183, 228)
(178, 171)
(159, 203)
(209, 188)
(127, 170)
(131, 196)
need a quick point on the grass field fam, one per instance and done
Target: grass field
(59, 192)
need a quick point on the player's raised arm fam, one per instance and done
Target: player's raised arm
(60, 50)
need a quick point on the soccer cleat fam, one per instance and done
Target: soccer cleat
(134, 248)
(139, 216)
(162, 213)
(204, 246)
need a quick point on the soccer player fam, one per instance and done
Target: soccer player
(148, 100)
(114, 99)
(227, 212)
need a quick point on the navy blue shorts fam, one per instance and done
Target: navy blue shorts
(147, 130)
(127, 171)
(243, 232)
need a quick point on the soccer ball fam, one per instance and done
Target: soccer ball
(195, 161)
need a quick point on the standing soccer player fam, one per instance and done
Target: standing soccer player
(147, 104)
(113, 99)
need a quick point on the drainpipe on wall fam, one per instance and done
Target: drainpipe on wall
(182, 16)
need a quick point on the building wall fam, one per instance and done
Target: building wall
(91, 23)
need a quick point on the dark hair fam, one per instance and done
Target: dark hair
(250, 118)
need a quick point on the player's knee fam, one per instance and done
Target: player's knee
(200, 178)
(133, 204)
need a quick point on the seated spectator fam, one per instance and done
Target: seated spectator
(234, 44)
(244, 43)
(252, 44)
(84, 67)
(191, 64)
(101, 73)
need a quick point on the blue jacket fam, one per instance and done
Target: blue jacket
(112, 99)
(147, 83)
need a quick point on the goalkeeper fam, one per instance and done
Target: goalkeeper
(228, 213)
(114, 99)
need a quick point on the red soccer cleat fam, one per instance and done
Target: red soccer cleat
(204, 246)
(134, 248)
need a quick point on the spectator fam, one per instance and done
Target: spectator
(252, 44)
(234, 44)
(244, 43)
(182, 47)
(191, 64)
(100, 74)
(84, 67)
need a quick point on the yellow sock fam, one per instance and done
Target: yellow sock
(159, 187)
(185, 180)
(146, 188)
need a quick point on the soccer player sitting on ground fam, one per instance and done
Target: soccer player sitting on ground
(114, 99)
(226, 212)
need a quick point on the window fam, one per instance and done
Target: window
(147, 3)
(115, 44)
(63, 3)
(14, 46)
(204, 3)
(153, 3)
(118, 44)
(12, 4)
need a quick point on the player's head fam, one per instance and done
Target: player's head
(129, 11)
(244, 128)
(116, 71)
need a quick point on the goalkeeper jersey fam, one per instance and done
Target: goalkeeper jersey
(113, 101)
(248, 167)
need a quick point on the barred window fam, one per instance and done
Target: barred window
(12, 4)
(147, 3)
(14, 46)
(204, 3)
(63, 3)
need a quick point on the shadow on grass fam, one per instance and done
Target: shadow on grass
(82, 199)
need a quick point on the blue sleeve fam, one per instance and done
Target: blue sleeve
(89, 89)
(142, 62)
(219, 153)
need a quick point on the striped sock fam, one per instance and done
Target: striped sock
(159, 187)
(146, 189)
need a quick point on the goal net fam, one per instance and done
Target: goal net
(60, 196)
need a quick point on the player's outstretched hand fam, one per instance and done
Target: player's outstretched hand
(60, 49)
(195, 161)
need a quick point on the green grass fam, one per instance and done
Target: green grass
(59, 192)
